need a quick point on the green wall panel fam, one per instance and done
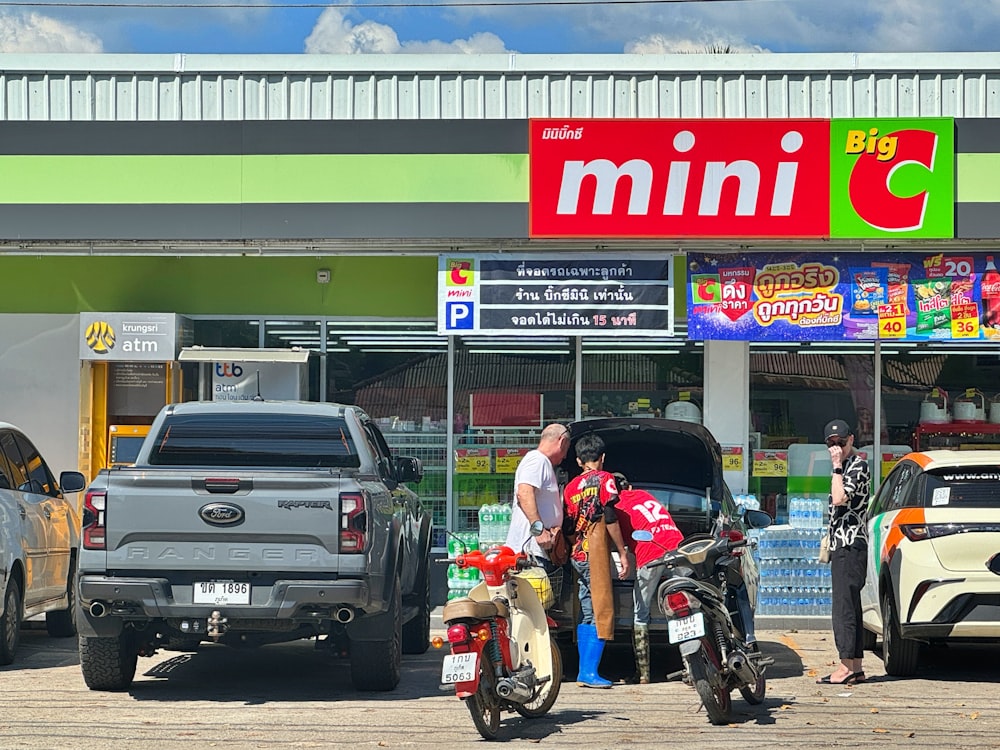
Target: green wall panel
(383, 286)
(283, 178)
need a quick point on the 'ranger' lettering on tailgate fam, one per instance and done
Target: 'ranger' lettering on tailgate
(209, 553)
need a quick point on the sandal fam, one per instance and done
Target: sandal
(848, 680)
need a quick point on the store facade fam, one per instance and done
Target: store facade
(777, 240)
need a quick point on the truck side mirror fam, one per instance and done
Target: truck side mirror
(409, 469)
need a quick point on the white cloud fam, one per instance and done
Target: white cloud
(334, 33)
(661, 44)
(33, 32)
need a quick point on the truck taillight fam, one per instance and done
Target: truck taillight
(94, 506)
(353, 521)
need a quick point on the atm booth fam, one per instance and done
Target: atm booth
(133, 364)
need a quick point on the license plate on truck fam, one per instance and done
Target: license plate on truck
(459, 668)
(221, 592)
(687, 628)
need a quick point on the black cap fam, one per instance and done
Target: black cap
(620, 480)
(836, 428)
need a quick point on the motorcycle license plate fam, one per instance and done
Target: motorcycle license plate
(459, 668)
(686, 629)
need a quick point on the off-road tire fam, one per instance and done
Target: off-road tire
(61, 623)
(10, 622)
(108, 663)
(376, 665)
(717, 701)
(417, 632)
(901, 655)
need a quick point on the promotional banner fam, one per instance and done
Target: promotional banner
(850, 178)
(843, 296)
(577, 295)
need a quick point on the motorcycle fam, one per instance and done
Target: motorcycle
(704, 619)
(503, 657)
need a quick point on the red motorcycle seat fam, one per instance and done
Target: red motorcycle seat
(470, 609)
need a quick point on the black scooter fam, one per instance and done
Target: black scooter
(703, 617)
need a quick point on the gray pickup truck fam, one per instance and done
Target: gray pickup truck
(251, 523)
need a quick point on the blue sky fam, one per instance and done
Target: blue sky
(650, 28)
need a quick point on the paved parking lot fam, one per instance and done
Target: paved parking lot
(291, 696)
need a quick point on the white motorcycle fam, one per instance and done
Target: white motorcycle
(503, 657)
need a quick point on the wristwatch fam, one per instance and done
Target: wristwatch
(839, 470)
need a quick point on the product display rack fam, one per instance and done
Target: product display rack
(929, 436)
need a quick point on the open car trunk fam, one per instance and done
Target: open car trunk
(680, 463)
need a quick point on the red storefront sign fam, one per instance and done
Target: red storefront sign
(680, 178)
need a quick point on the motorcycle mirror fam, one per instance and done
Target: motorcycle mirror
(641, 535)
(757, 519)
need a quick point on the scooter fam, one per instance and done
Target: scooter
(503, 657)
(704, 621)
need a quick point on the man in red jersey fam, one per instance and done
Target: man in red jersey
(639, 510)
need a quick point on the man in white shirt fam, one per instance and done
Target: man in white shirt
(536, 493)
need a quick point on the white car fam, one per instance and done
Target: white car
(933, 555)
(39, 540)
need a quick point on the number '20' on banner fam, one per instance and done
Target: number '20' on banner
(624, 294)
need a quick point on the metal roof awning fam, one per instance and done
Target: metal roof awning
(228, 354)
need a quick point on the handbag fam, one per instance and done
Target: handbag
(824, 549)
(559, 551)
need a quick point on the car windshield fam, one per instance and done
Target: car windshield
(255, 440)
(967, 487)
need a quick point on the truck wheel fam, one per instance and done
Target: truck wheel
(10, 622)
(108, 663)
(376, 665)
(62, 622)
(417, 632)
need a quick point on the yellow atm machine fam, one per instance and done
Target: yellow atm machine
(124, 441)
(129, 372)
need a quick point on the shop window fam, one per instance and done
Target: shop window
(793, 394)
(647, 380)
(506, 390)
(934, 398)
(398, 373)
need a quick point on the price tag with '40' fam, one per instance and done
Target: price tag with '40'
(891, 321)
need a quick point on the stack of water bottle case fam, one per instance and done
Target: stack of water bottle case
(494, 520)
(793, 582)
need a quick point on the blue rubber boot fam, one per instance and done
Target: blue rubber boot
(590, 648)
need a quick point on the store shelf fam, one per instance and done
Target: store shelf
(960, 435)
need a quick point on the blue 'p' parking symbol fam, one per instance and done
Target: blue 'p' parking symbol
(458, 316)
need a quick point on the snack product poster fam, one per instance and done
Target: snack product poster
(783, 296)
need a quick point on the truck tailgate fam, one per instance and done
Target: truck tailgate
(237, 520)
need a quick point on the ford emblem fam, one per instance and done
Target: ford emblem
(222, 514)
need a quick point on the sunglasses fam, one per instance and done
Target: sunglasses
(835, 441)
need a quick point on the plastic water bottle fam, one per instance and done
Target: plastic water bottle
(485, 524)
(505, 513)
